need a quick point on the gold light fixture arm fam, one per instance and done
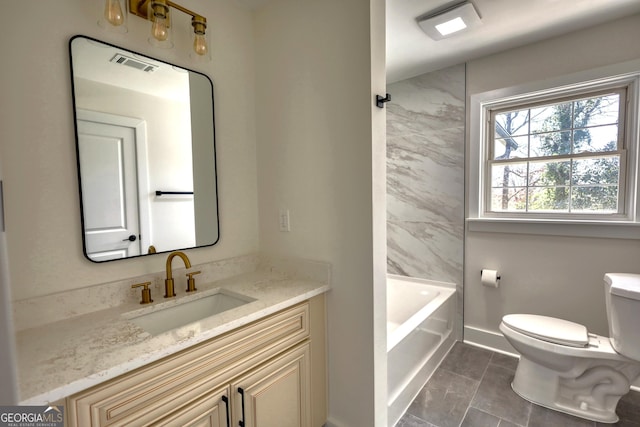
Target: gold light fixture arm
(141, 8)
(157, 11)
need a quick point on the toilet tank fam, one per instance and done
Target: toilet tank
(622, 294)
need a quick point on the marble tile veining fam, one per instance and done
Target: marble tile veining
(425, 184)
(428, 102)
(425, 175)
(423, 249)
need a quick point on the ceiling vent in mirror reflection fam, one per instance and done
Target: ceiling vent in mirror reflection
(138, 131)
(133, 63)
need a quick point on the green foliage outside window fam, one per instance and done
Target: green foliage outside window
(561, 157)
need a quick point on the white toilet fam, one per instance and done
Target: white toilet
(564, 367)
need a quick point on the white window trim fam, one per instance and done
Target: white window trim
(629, 227)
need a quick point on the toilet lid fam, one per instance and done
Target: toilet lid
(550, 329)
(624, 285)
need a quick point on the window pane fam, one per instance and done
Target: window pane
(549, 199)
(595, 198)
(511, 175)
(604, 170)
(566, 155)
(551, 144)
(512, 123)
(511, 148)
(598, 139)
(550, 173)
(509, 199)
(602, 110)
(551, 118)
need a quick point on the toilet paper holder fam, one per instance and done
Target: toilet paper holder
(489, 278)
(497, 277)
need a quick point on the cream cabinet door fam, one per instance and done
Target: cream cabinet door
(210, 410)
(276, 394)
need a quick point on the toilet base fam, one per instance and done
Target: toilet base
(592, 393)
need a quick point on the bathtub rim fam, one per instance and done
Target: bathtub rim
(446, 290)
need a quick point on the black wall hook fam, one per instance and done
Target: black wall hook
(380, 100)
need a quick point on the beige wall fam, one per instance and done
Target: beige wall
(549, 275)
(38, 143)
(314, 124)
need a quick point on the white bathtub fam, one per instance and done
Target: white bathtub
(420, 317)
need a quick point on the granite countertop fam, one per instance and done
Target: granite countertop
(70, 355)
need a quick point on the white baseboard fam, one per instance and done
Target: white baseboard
(490, 340)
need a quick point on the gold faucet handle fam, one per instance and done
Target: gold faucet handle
(191, 282)
(146, 292)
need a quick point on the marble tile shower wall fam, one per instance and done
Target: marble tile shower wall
(425, 176)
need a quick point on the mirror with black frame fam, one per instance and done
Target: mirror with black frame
(146, 156)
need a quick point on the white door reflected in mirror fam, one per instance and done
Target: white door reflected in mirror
(109, 190)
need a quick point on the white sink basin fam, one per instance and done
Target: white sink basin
(174, 316)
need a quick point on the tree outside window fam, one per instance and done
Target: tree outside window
(563, 156)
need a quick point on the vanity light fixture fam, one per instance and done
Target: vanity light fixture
(158, 12)
(445, 23)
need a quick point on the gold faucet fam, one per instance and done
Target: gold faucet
(168, 283)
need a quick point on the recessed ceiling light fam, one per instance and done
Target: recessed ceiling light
(450, 21)
(452, 26)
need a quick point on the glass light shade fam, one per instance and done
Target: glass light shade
(200, 40)
(200, 44)
(159, 29)
(113, 15)
(160, 25)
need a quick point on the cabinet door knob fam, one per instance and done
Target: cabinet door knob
(241, 391)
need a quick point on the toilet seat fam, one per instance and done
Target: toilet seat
(599, 347)
(550, 329)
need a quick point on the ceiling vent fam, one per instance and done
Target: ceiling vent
(448, 22)
(133, 63)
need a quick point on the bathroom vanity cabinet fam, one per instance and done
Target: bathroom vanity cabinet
(268, 373)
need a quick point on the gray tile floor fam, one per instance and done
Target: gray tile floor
(472, 388)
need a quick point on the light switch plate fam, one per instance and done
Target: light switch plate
(285, 224)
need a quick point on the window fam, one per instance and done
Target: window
(557, 156)
(563, 156)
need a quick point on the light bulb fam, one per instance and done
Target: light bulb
(159, 29)
(113, 12)
(200, 44)
(159, 15)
